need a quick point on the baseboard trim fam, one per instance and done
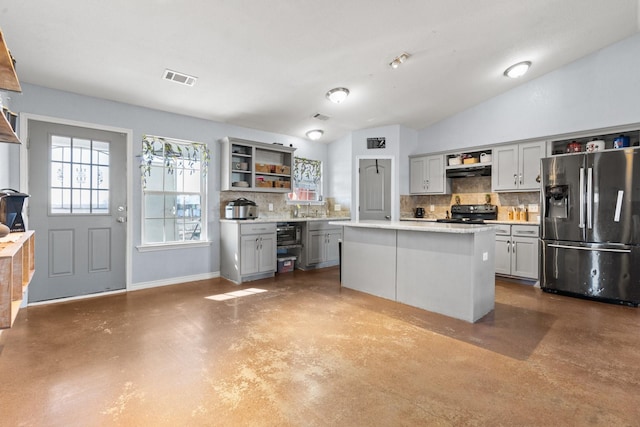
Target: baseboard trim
(173, 281)
(134, 287)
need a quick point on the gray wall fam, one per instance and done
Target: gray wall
(166, 264)
(598, 91)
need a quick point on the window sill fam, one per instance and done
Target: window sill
(172, 245)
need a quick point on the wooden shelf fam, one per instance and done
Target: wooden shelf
(8, 76)
(17, 265)
(6, 132)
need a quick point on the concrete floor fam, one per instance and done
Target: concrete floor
(308, 353)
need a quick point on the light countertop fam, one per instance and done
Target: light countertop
(431, 226)
(488, 221)
(266, 219)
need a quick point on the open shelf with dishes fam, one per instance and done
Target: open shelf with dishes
(468, 158)
(588, 143)
(255, 166)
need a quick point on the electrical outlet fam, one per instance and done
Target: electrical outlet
(336, 208)
(533, 208)
(270, 207)
(485, 256)
(432, 208)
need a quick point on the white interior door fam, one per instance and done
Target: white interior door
(375, 189)
(77, 181)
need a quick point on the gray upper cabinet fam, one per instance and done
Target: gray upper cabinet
(255, 166)
(516, 167)
(427, 175)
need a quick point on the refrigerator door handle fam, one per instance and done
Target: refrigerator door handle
(616, 215)
(590, 198)
(581, 190)
(582, 248)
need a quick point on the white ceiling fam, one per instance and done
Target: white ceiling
(268, 64)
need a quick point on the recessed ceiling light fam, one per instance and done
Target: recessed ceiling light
(315, 134)
(517, 70)
(399, 60)
(338, 94)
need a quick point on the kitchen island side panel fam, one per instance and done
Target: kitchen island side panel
(369, 261)
(450, 274)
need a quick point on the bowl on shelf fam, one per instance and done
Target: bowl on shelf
(240, 166)
(240, 184)
(455, 161)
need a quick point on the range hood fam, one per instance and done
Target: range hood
(465, 171)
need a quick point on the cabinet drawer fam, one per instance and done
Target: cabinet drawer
(503, 230)
(258, 228)
(525, 230)
(321, 225)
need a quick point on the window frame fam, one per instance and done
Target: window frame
(319, 200)
(150, 160)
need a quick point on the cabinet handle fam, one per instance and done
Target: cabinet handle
(515, 179)
(513, 247)
(521, 179)
(427, 184)
(508, 245)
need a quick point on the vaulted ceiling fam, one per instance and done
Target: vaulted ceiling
(268, 64)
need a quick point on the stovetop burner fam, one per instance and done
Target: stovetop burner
(471, 214)
(461, 221)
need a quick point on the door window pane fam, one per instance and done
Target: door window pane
(79, 180)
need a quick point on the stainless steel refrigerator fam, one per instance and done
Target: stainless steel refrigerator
(591, 225)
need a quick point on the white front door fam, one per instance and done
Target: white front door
(375, 189)
(77, 184)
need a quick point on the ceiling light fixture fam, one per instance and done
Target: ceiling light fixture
(517, 70)
(338, 94)
(399, 60)
(315, 134)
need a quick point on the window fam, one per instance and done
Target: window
(174, 190)
(307, 180)
(79, 176)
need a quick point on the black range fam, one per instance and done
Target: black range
(471, 214)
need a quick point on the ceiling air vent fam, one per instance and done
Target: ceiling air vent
(320, 117)
(181, 78)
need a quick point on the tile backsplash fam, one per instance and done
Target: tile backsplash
(472, 190)
(280, 207)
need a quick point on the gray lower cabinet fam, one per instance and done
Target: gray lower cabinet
(247, 251)
(517, 250)
(320, 245)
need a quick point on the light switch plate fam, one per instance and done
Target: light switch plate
(533, 208)
(270, 207)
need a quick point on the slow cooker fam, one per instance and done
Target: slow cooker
(241, 209)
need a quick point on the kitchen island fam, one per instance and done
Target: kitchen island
(444, 268)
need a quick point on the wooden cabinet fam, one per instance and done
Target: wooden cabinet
(427, 175)
(255, 166)
(8, 81)
(517, 249)
(320, 245)
(17, 265)
(247, 250)
(516, 167)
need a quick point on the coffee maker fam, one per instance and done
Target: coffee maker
(419, 213)
(11, 202)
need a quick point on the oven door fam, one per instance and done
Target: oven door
(288, 235)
